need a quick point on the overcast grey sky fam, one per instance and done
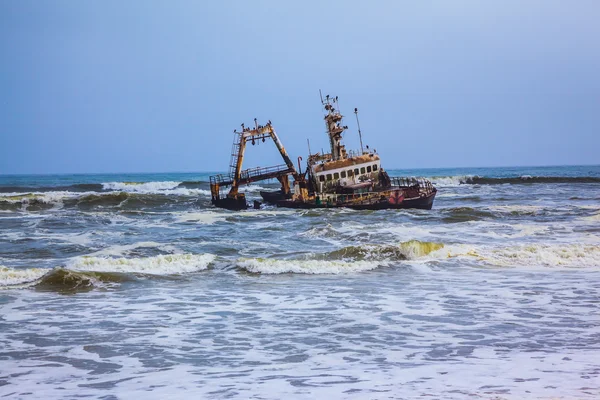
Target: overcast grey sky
(135, 86)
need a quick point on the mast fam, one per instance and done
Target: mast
(333, 120)
(359, 134)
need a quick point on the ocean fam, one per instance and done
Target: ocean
(125, 285)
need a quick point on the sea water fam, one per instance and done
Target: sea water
(126, 285)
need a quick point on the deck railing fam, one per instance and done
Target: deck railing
(222, 181)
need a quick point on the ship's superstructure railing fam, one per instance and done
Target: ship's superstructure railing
(220, 182)
(424, 185)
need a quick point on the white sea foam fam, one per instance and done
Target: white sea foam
(273, 266)
(10, 277)
(158, 265)
(55, 198)
(211, 217)
(528, 256)
(252, 188)
(205, 218)
(58, 197)
(185, 192)
(450, 181)
(516, 209)
(140, 187)
(161, 187)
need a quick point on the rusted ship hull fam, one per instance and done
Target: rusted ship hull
(424, 202)
(274, 197)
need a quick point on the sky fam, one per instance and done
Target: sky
(159, 86)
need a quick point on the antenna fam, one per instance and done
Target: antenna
(359, 134)
(308, 141)
(321, 96)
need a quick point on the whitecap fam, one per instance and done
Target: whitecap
(274, 266)
(450, 181)
(205, 218)
(140, 187)
(527, 256)
(11, 277)
(158, 265)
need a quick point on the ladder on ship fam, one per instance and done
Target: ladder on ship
(236, 177)
(235, 151)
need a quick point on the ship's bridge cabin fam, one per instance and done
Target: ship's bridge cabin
(357, 173)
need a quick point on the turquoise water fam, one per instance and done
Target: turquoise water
(125, 285)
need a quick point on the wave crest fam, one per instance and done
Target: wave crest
(531, 256)
(274, 266)
(170, 264)
(349, 259)
(140, 187)
(11, 277)
(84, 272)
(449, 181)
(409, 250)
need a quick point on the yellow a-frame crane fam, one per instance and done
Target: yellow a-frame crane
(234, 200)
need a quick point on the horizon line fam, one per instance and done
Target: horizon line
(220, 172)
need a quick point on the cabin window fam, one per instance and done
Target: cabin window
(362, 170)
(369, 169)
(374, 167)
(350, 173)
(328, 177)
(343, 174)
(336, 175)
(356, 171)
(321, 178)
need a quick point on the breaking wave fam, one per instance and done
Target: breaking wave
(274, 266)
(353, 259)
(483, 180)
(57, 279)
(45, 200)
(347, 260)
(79, 187)
(409, 250)
(530, 255)
(140, 187)
(67, 281)
(88, 272)
(10, 277)
(170, 264)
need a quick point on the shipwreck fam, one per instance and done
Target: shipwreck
(340, 178)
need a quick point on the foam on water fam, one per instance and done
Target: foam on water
(274, 266)
(492, 294)
(158, 265)
(52, 198)
(140, 187)
(10, 277)
(252, 188)
(207, 218)
(450, 181)
(527, 256)
(211, 217)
